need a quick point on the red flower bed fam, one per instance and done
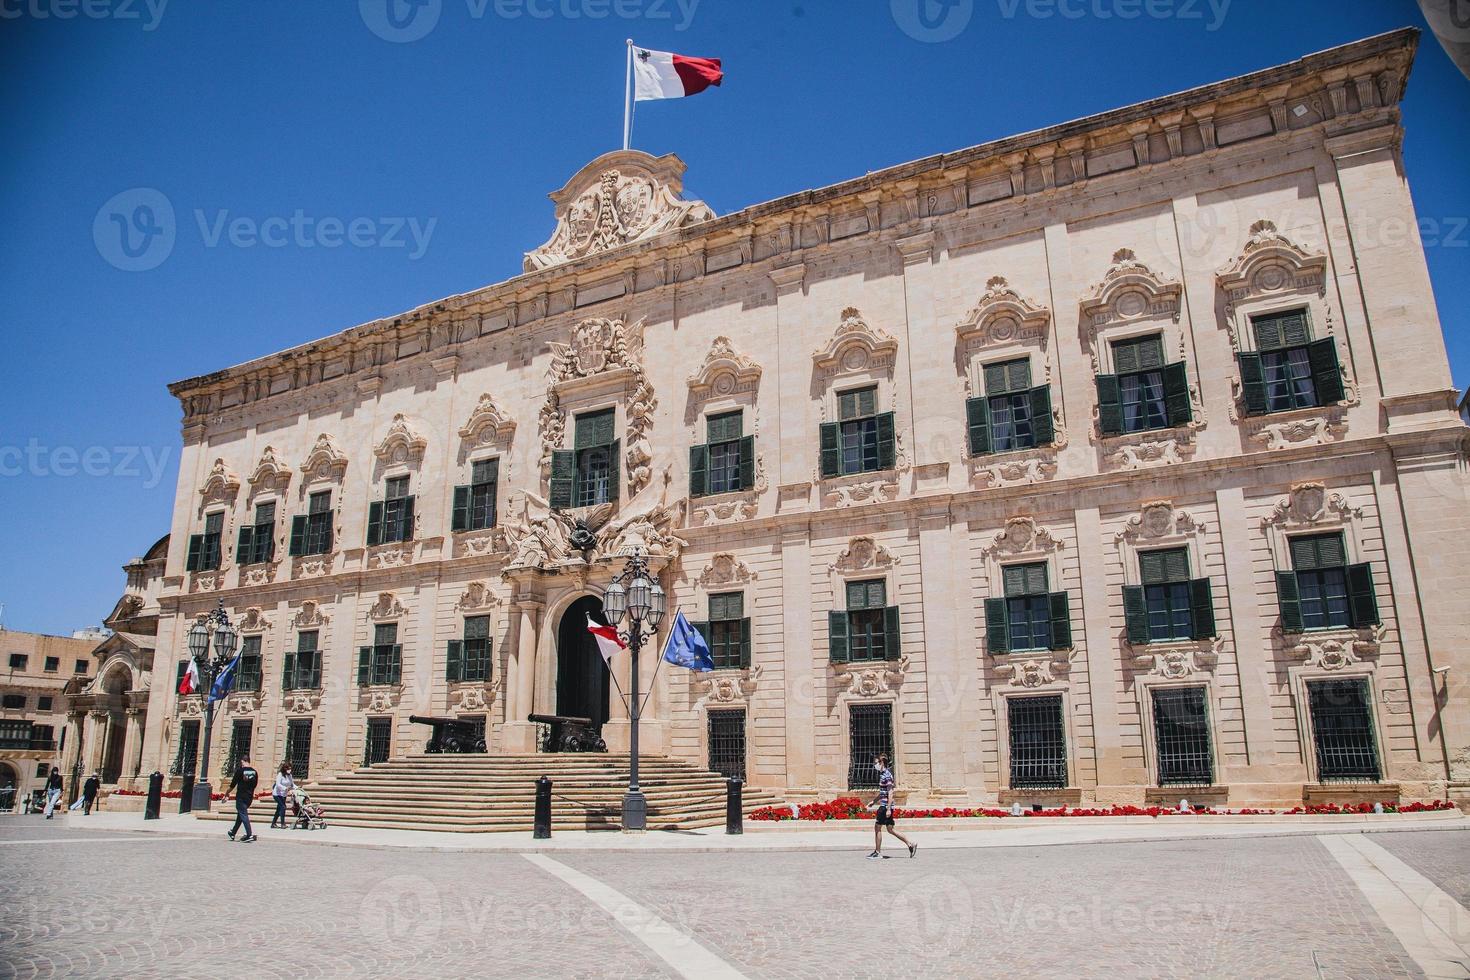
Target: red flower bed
(174, 794)
(852, 808)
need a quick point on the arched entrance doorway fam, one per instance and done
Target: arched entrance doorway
(113, 731)
(581, 674)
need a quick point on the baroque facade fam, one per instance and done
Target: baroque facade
(40, 674)
(1083, 465)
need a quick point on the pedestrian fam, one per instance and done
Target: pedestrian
(280, 792)
(89, 793)
(884, 817)
(243, 786)
(53, 791)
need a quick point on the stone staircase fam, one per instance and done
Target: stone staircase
(481, 793)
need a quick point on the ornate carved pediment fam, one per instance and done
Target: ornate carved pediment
(476, 697)
(1338, 649)
(1003, 316)
(597, 345)
(1022, 535)
(477, 597)
(1177, 661)
(871, 680)
(724, 687)
(855, 346)
(1311, 503)
(253, 621)
(725, 569)
(221, 485)
(309, 616)
(1159, 519)
(270, 473)
(403, 443)
(1033, 672)
(387, 607)
(1270, 262)
(1129, 290)
(863, 554)
(325, 460)
(299, 702)
(725, 371)
(486, 424)
(621, 197)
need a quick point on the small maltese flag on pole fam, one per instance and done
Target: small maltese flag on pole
(664, 75)
(608, 641)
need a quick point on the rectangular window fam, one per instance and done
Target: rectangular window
(1342, 728)
(1283, 342)
(257, 540)
(1182, 736)
(595, 447)
(866, 632)
(381, 663)
(204, 549)
(43, 738)
(13, 702)
(475, 662)
(379, 741)
(1165, 577)
(44, 702)
(1028, 606)
(728, 642)
(53, 664)
(857, 413)
(247, 677)
(1007, 387)
(727, 743)
(80, 667)
(318, 524)
(15, 735)
(18, 661)
(240, 734)
(1038, 742)
(1140, 364)
(303, 667)
(869, 734)
(186, 760)
(298, 747)
(392, 518)
(1320, 563)
(724, 433)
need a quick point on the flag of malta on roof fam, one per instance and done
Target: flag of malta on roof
(663, 75)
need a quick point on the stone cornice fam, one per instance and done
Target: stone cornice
(1378, 66)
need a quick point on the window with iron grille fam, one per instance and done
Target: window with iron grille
(477, 729)
(311, 533)
(247, 676)
(298, 747)
(727, 743)
(1342, 728)
(381, 663)
(869, 734)
(474, 503)
(391, 519)
(186, 759)
(240, 733)
(257, 541)
(1038, 742)
(469, 658)
(1288, 369)
(587, 474)
(204, 549)
(1145, 393)
(379, 741)
(1182, 736)
(303, 666)
(727, 631)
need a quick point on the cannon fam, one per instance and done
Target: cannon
(451, 735)
(566, 734)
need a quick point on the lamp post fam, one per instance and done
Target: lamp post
(636, 597)
(216, 625)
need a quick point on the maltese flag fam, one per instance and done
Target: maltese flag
(189, 683)
(663, 75)
(608, 641)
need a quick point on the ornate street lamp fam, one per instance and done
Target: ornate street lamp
(637, 597)
(218, 626)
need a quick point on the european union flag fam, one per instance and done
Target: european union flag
(224, 681)
(686, 648)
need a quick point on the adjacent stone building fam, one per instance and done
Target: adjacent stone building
(39, 672)
(1115, 461)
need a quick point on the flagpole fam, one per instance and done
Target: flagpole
(628, 99)
(659, 666)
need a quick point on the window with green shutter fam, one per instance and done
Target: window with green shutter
(728, 630)
(256, 543)
(1027, 616)
(474, 503)
(247, 676)
(1144, 393)
(1322, 591)
(872, 626)
(302, 669)
(391, 519)
(1012, 414)
(862, 440)
(311, 533)
(593, 461)
(475, 650)
(381, 663)
(726, 463)
(204, 549)
(1288, 369)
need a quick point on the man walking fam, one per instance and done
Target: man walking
(53, 791)
(89, 793)
(243, 786)
(884, 818)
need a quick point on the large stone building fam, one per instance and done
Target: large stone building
(39, 673)
(1088, 464)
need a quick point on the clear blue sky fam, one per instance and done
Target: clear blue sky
(270, 107)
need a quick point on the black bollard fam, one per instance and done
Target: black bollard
(154, 806)
(186, 793)
(542, 825)
(734, 812)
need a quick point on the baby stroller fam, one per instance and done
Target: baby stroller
(309, 815)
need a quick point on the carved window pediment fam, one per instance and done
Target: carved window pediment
(403, 443)
(725, 371)
(1271, 263)
(477, 597)
(253, 621)
(725, 569)
(487, 424)
(856, 346)
(271, 474)
(309, 616)
(1130, 291)
(863, 554)
(1003, 316)
(326, 459)
(221, 485)
(387, 607)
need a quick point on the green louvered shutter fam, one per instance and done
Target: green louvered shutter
(997, 626)
(298, 535)
(614, 457)
(892, 640)
(1109, 405)
(1288, 596)
(702, 628)
(745, 643)
(747, 462)
(1252, 383)
(1362, 599)
(245, 545)
(1176, 393)
(837, 636)
(288, 672)
(395, 665)
(1326, 372)
(454, 661)
(364, 666)
(977, 421)
(831, 450)
(1061, 621)
(375, 523)
(887, 444)
(563, 475)
(196, 548)
(1135, 614)
(460, 516)
(698, 470)
(1201, 609)
(1042, 424)
(405, 520)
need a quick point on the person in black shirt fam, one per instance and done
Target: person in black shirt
(89, 793)
(243, 786)
(53, 791)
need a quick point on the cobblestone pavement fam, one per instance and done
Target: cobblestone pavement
(78, 902)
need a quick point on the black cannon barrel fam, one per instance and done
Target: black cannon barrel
(558, 720)
(425, 720)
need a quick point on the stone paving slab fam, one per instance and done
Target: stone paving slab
(1444, 862)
